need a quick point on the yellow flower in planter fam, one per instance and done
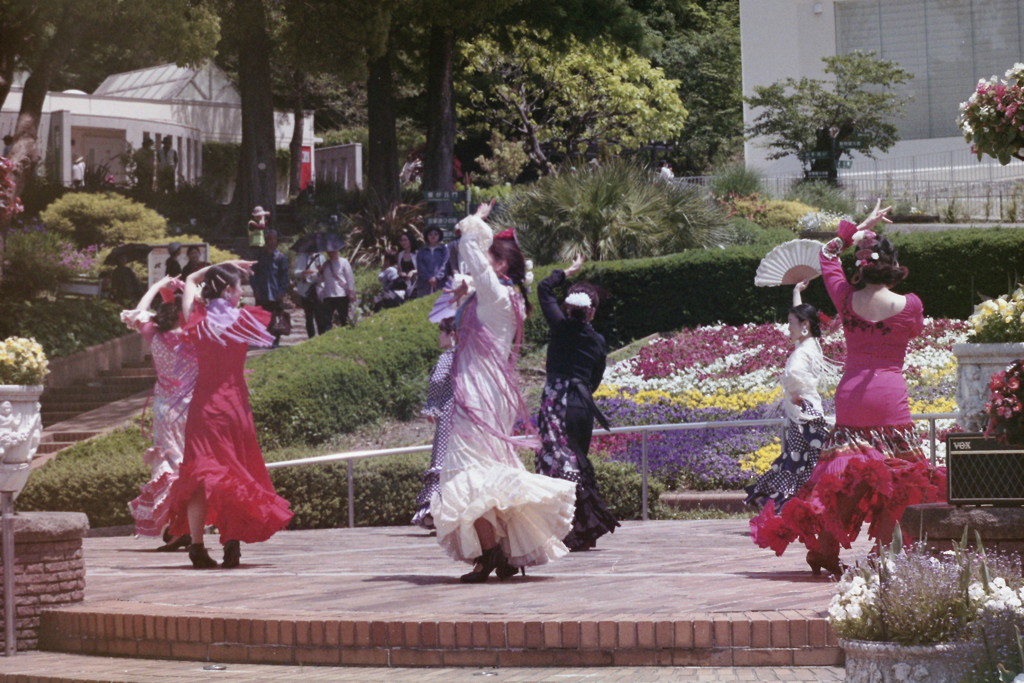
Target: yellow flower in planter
(22, 361)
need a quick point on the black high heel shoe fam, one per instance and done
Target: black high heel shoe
(200, 558)
(504, 570)
(232, 554)
(487, 562)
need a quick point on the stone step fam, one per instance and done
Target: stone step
(53, 447)
(66, 437)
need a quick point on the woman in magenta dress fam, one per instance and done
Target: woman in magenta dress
(174, 359)
(223, 479)
(873, 465)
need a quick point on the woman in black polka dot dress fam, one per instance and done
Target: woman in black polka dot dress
(806, 428)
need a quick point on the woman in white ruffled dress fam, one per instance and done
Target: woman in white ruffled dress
(491, 511)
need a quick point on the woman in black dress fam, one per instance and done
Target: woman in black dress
(575, 366)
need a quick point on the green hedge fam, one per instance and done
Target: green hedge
(949, 270)
(62, 326)
(346, 378)
(99, 477)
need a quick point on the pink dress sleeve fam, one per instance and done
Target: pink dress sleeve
(834, 277)
(141, 322)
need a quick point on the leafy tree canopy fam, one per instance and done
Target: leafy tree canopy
(857, 107)
(561, 100)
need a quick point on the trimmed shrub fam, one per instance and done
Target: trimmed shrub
(97, 477)
(345, 378)
(62, 326)
(39, 260)
(103, 218)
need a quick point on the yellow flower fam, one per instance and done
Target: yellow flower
(760, 461)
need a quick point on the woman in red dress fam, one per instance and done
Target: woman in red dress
(223, 479)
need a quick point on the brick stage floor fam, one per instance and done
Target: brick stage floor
(679, 593)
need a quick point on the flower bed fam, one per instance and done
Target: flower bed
(726, 372)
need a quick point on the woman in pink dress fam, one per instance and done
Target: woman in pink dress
(873, 465)
(223, 479)
(174, 359)
(492, 512)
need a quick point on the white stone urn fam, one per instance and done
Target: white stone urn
(874, 662)
(976, 363)
(21, 428)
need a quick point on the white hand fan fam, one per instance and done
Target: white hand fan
(789, 263)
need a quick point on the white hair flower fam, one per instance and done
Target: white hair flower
(578, 299)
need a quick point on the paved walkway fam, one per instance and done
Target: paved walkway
(45, 666)
(655, 569)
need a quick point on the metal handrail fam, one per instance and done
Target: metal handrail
(643, 430)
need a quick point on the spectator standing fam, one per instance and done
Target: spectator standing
(431, 263)
(307, 286)
(195, 261)
(257, 228)
(172, 266)
(167, 165)
(78, 173)
(144, 164)
(124, 284)
(407, 261)
(8, 143)
(270, 278)
(339, 290)
(665, 173)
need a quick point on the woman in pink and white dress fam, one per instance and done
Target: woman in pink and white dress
(491, 511)
(174, 359)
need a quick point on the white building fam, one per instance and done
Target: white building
(946, 44)
(191, 105)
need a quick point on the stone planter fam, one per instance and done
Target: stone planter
(871, 662)
(976, 363)
(20, 431)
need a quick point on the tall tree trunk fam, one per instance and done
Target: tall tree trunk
(382, 163)
(257, 163)
(295, 148)
(437, 164)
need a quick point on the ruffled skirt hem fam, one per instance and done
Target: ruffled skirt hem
(854, 482)
(241, 510)
(530, 513)
(151, 509)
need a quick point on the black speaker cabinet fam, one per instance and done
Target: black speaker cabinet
(982, 471)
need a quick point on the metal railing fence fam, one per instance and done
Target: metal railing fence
(644, 430)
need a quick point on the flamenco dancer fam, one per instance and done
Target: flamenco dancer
(575, 366)
(440, 402)
(223, 479)
(491, 511)
(174, 359)
(873, 465)
(806, 428)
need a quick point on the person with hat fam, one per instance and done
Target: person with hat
(431, 263)
(257, 228)
(575, 365)
(176, 366)
(172, 265)
(78, 173)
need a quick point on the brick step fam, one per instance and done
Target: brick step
(96, 393)
(80, 403)
(66, 437)
(741, 639)
(53, 447)
(59, 416)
